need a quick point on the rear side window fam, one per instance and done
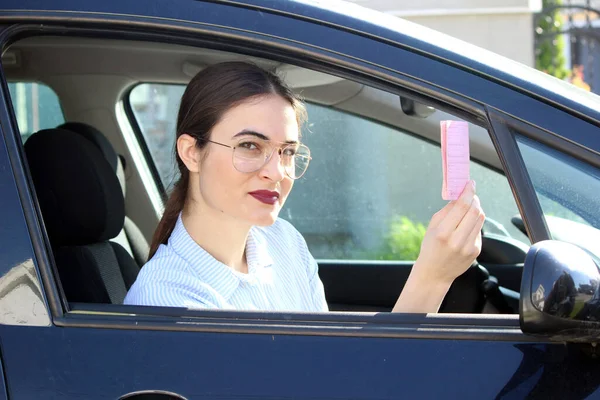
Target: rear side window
(36, 107)
(155, 108)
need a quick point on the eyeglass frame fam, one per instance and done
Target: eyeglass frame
(280, 151)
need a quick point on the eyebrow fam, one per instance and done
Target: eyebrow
(259, 135)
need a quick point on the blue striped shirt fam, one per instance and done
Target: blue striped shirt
(282, 274)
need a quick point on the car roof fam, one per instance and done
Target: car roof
(386, 27)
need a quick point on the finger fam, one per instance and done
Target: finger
(474, 240)
(468, 223)
(439, 216)
(459, 209)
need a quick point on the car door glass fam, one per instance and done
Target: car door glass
(36, 107)
(567, 190)
(371, 189)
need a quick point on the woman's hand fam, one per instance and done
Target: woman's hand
(451, 244)
(453, 238)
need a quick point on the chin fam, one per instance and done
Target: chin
(264, 219)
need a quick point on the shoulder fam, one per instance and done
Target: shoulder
(282, 234)
(167, 280)
(165, 265)
(284, 240)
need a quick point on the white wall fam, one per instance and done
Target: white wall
(502, 26)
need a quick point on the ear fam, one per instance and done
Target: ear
(188, 152)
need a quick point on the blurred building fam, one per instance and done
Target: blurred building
(581, 23)
(505, 27)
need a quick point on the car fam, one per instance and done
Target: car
(83, 78)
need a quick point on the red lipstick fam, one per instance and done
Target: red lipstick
(265, 196)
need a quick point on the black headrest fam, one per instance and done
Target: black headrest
(98, 138)
(78, 191)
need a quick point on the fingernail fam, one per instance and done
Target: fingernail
(474, 184)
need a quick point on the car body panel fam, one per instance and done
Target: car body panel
(71, 359)
(106, 363)
(3, 394)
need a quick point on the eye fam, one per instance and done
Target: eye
(290, 151)
(249, 145)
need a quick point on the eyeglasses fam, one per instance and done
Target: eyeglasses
(251, 154)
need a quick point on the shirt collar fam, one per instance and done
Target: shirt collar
(213, 272)
(257, 254)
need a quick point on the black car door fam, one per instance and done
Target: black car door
(3, 394)
(57, 349)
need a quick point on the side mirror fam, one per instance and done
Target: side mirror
(560, 293)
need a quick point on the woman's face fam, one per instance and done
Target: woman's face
(252, 197)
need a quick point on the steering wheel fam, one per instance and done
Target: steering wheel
(466, 295)
(472, 291)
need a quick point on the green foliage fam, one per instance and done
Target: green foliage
(403, 241)
(550, 45)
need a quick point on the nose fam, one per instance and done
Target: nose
(274, 169)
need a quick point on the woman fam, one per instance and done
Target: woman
(220, 244)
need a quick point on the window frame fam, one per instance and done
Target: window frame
(439, 326)
(513, 127)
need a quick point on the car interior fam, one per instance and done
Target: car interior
(101, 196)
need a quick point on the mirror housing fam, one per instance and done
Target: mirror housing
(560, 293)
(415, 109)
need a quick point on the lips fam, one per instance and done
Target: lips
(265, 196)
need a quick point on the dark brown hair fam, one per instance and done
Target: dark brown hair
(209, 95)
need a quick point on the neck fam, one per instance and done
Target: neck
(222, 237)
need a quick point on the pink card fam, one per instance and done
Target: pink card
(455, 158)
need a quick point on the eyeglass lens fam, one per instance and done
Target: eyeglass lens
(251, 154)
